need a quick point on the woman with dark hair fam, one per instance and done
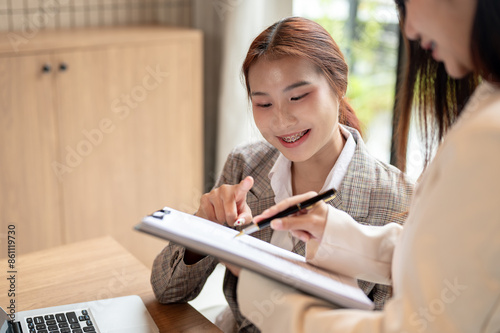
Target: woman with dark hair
(443, 264)
(296, 79)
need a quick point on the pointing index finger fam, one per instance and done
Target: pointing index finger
(242, 189)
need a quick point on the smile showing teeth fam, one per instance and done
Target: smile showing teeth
(293, 138)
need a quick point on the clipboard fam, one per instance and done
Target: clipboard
(210, 238)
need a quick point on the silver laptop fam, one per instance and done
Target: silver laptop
(121, 314)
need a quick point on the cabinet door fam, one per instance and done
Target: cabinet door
(130, 120)
(29, 188)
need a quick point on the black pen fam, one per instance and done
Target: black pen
(307, 204)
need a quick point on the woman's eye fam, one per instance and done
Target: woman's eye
(266, 105)
(299, 97)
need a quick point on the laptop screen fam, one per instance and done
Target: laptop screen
(5, 326)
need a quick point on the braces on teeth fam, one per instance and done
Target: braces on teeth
(293, 138)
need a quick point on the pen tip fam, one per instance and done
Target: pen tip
(238, 235)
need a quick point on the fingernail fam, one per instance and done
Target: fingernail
(239, 222)
(276, 224)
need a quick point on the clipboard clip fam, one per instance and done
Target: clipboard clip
(159, 214)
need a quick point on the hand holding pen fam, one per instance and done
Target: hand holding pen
(304, 215)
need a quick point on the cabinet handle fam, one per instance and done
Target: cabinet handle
(63, 67)
(46, 68)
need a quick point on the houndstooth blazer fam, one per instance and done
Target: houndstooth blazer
(372, 192)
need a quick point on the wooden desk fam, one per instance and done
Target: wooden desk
(93, 270)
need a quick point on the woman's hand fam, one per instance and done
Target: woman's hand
(227, 204)
(306, 224)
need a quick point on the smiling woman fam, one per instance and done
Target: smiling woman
(433, 24)
(300, 120)
(296, 78)
(310, 42)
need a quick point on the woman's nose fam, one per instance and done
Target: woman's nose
(283, 118)
(409, 28)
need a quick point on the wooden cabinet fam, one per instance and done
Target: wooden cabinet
(112, 132)
(29, 191)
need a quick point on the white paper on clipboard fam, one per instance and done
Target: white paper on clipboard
(213, 239)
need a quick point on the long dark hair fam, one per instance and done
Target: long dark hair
(438, 98)
(303, 38)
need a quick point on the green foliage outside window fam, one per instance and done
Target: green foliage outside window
(368, 36)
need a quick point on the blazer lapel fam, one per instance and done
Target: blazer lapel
(354, 192)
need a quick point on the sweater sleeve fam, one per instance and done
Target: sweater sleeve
(272, 301)
(353, 249)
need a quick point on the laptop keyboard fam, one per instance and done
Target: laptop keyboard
(69, 322)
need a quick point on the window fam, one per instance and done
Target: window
(367, 31)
